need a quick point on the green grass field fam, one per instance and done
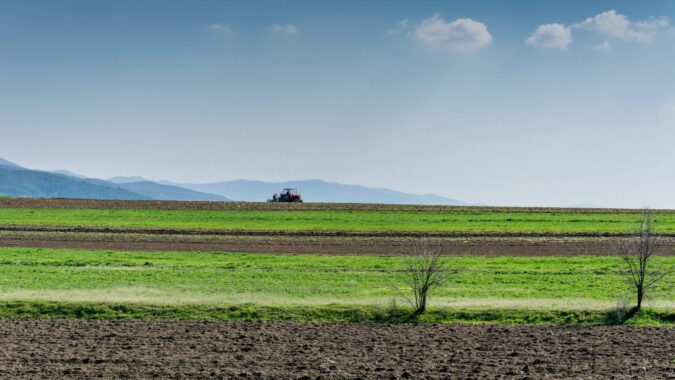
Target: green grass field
(433, 221)
(98, 284)
(215, 285)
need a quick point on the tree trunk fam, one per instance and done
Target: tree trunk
(422, 305)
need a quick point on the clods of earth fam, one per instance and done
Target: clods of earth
(42, 348)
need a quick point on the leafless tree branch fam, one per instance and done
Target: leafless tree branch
(424, 272)
(637, 251)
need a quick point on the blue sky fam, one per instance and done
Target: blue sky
(505, 103)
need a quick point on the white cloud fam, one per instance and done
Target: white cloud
(610, 23)
(400, 27)
(463, 34)
(221, 28)
(286, 29)
(613, 24)
(604, 46)
(553, 36)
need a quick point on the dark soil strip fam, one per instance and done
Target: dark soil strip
(185, 205)
(382, 246)
(309, 233)
(266, 350)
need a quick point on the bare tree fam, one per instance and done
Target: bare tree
(424, 272)
(637, 252)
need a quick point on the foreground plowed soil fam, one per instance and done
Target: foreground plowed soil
(171, 349)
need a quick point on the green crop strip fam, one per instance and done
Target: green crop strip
(209, 281)
(424, 221)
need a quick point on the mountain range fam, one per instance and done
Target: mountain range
(17, 181)
(315, 190)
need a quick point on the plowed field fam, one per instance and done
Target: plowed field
(327, 243)
(183, 349)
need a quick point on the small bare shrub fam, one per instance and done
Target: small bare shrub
(424, 272)
(637, 251)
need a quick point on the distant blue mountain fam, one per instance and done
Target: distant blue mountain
(169, 192)
(123, 179)
(4, 162)
(68, 173)
(20, 182)
(24, 183)
(315, 190)
(16, 181)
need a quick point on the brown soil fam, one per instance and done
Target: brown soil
(194, 205)
(307, 233)
(290, 243)
(182, 349)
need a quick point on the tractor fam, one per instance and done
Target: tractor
(287, 195)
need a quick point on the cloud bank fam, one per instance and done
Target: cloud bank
(552, 36)
(608, 24)
(616, 25)
(463, 34)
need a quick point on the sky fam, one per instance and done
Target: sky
(524, 103)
